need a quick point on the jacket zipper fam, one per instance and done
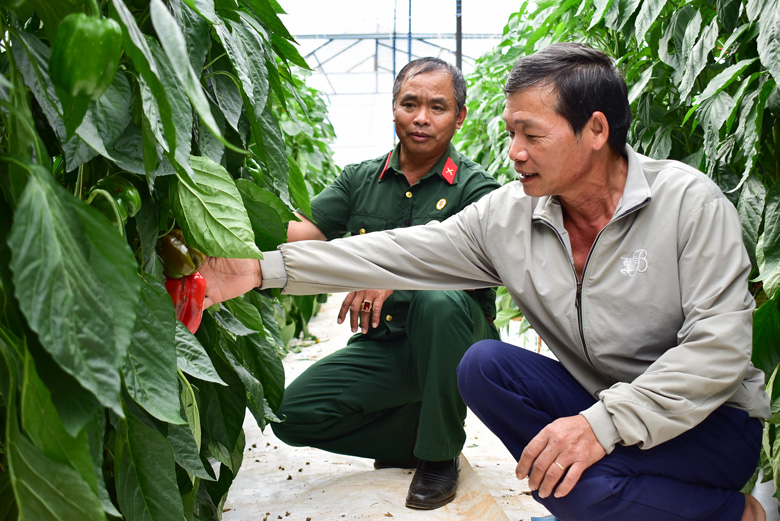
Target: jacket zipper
(578, 297)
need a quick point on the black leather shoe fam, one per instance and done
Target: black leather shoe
(434, 484)
(411, 463)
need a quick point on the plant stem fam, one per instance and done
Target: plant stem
(93, 9)
(80, 181)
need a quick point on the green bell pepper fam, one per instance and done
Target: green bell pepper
(85, 55)
(123, 192)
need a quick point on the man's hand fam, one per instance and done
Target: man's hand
(229, 278)
(354, 303)
(566, 446)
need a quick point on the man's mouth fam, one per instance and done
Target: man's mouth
(522, 175)
(420, 135)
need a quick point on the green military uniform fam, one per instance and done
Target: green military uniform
(392, 392)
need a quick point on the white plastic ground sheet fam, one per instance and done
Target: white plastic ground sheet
(279, 482)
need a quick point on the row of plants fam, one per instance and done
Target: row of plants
(703, 84)
(122, 122)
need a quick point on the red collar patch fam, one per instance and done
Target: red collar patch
(387, 163)
(449, 171)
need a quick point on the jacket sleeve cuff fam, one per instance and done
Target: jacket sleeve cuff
(273, 271)
(601, 422)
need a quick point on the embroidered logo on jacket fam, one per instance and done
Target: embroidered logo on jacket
(637, 263)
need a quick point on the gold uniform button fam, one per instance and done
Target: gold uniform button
(408, 195)
(388, 318)
(362, 231)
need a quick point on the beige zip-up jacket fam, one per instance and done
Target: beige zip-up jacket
(660, 328)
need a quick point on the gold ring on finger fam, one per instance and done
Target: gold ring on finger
(366, 306)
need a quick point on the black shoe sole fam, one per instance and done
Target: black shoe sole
(429, 506)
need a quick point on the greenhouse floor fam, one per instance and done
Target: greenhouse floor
(279, 482)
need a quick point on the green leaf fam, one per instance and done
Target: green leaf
(244, 48)
(246, 313)
(75, 405)
(192, 358)
(766, 331)
(751, 122)
(8, 507)
(145, 473)
(212, 214)
(298, 189)
(222, 411)
(769, 37)
(648, 14)
(229, 99)
(146, 227)
(768, 247)
(43, 425)
(736, 36)
(697, 60)
(204, 8)
(186, 452)
(267, 15)
(714, 112)
(723, 79)
(195, 28)
(267, 213)
(684, 22)
(180, 112)
(149, 370)
(230, 323)
(47, 489)
(156, 83)
(638, 86)
(175, 47)
(189, 405)
(751, 210)
(270, 141)
(288, 51)
(260, 358)
(96, 434)
(74, 278)
(601, 8)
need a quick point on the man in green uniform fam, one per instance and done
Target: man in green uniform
(391, 394)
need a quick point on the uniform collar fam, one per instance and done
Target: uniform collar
(446, 167)
(636, 194)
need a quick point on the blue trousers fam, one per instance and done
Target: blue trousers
(695, 476)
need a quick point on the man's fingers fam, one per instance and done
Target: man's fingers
(529, 455)
(354, 314)
(376, 311)
(551, 477)
(345, 306)
(571, 478)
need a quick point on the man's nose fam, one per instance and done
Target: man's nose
(517, 150)
(422, 116)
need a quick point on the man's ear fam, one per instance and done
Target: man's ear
(598, 128)
(461, 117)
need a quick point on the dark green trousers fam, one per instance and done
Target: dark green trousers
(390, 398)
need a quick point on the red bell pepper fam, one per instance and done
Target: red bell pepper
(188, 294)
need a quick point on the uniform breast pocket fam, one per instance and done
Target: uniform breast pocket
(361, 223)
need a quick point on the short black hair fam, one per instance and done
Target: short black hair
(428, 64)
(585, 81)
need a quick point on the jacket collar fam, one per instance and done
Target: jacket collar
(446, 167)
(636, 194)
